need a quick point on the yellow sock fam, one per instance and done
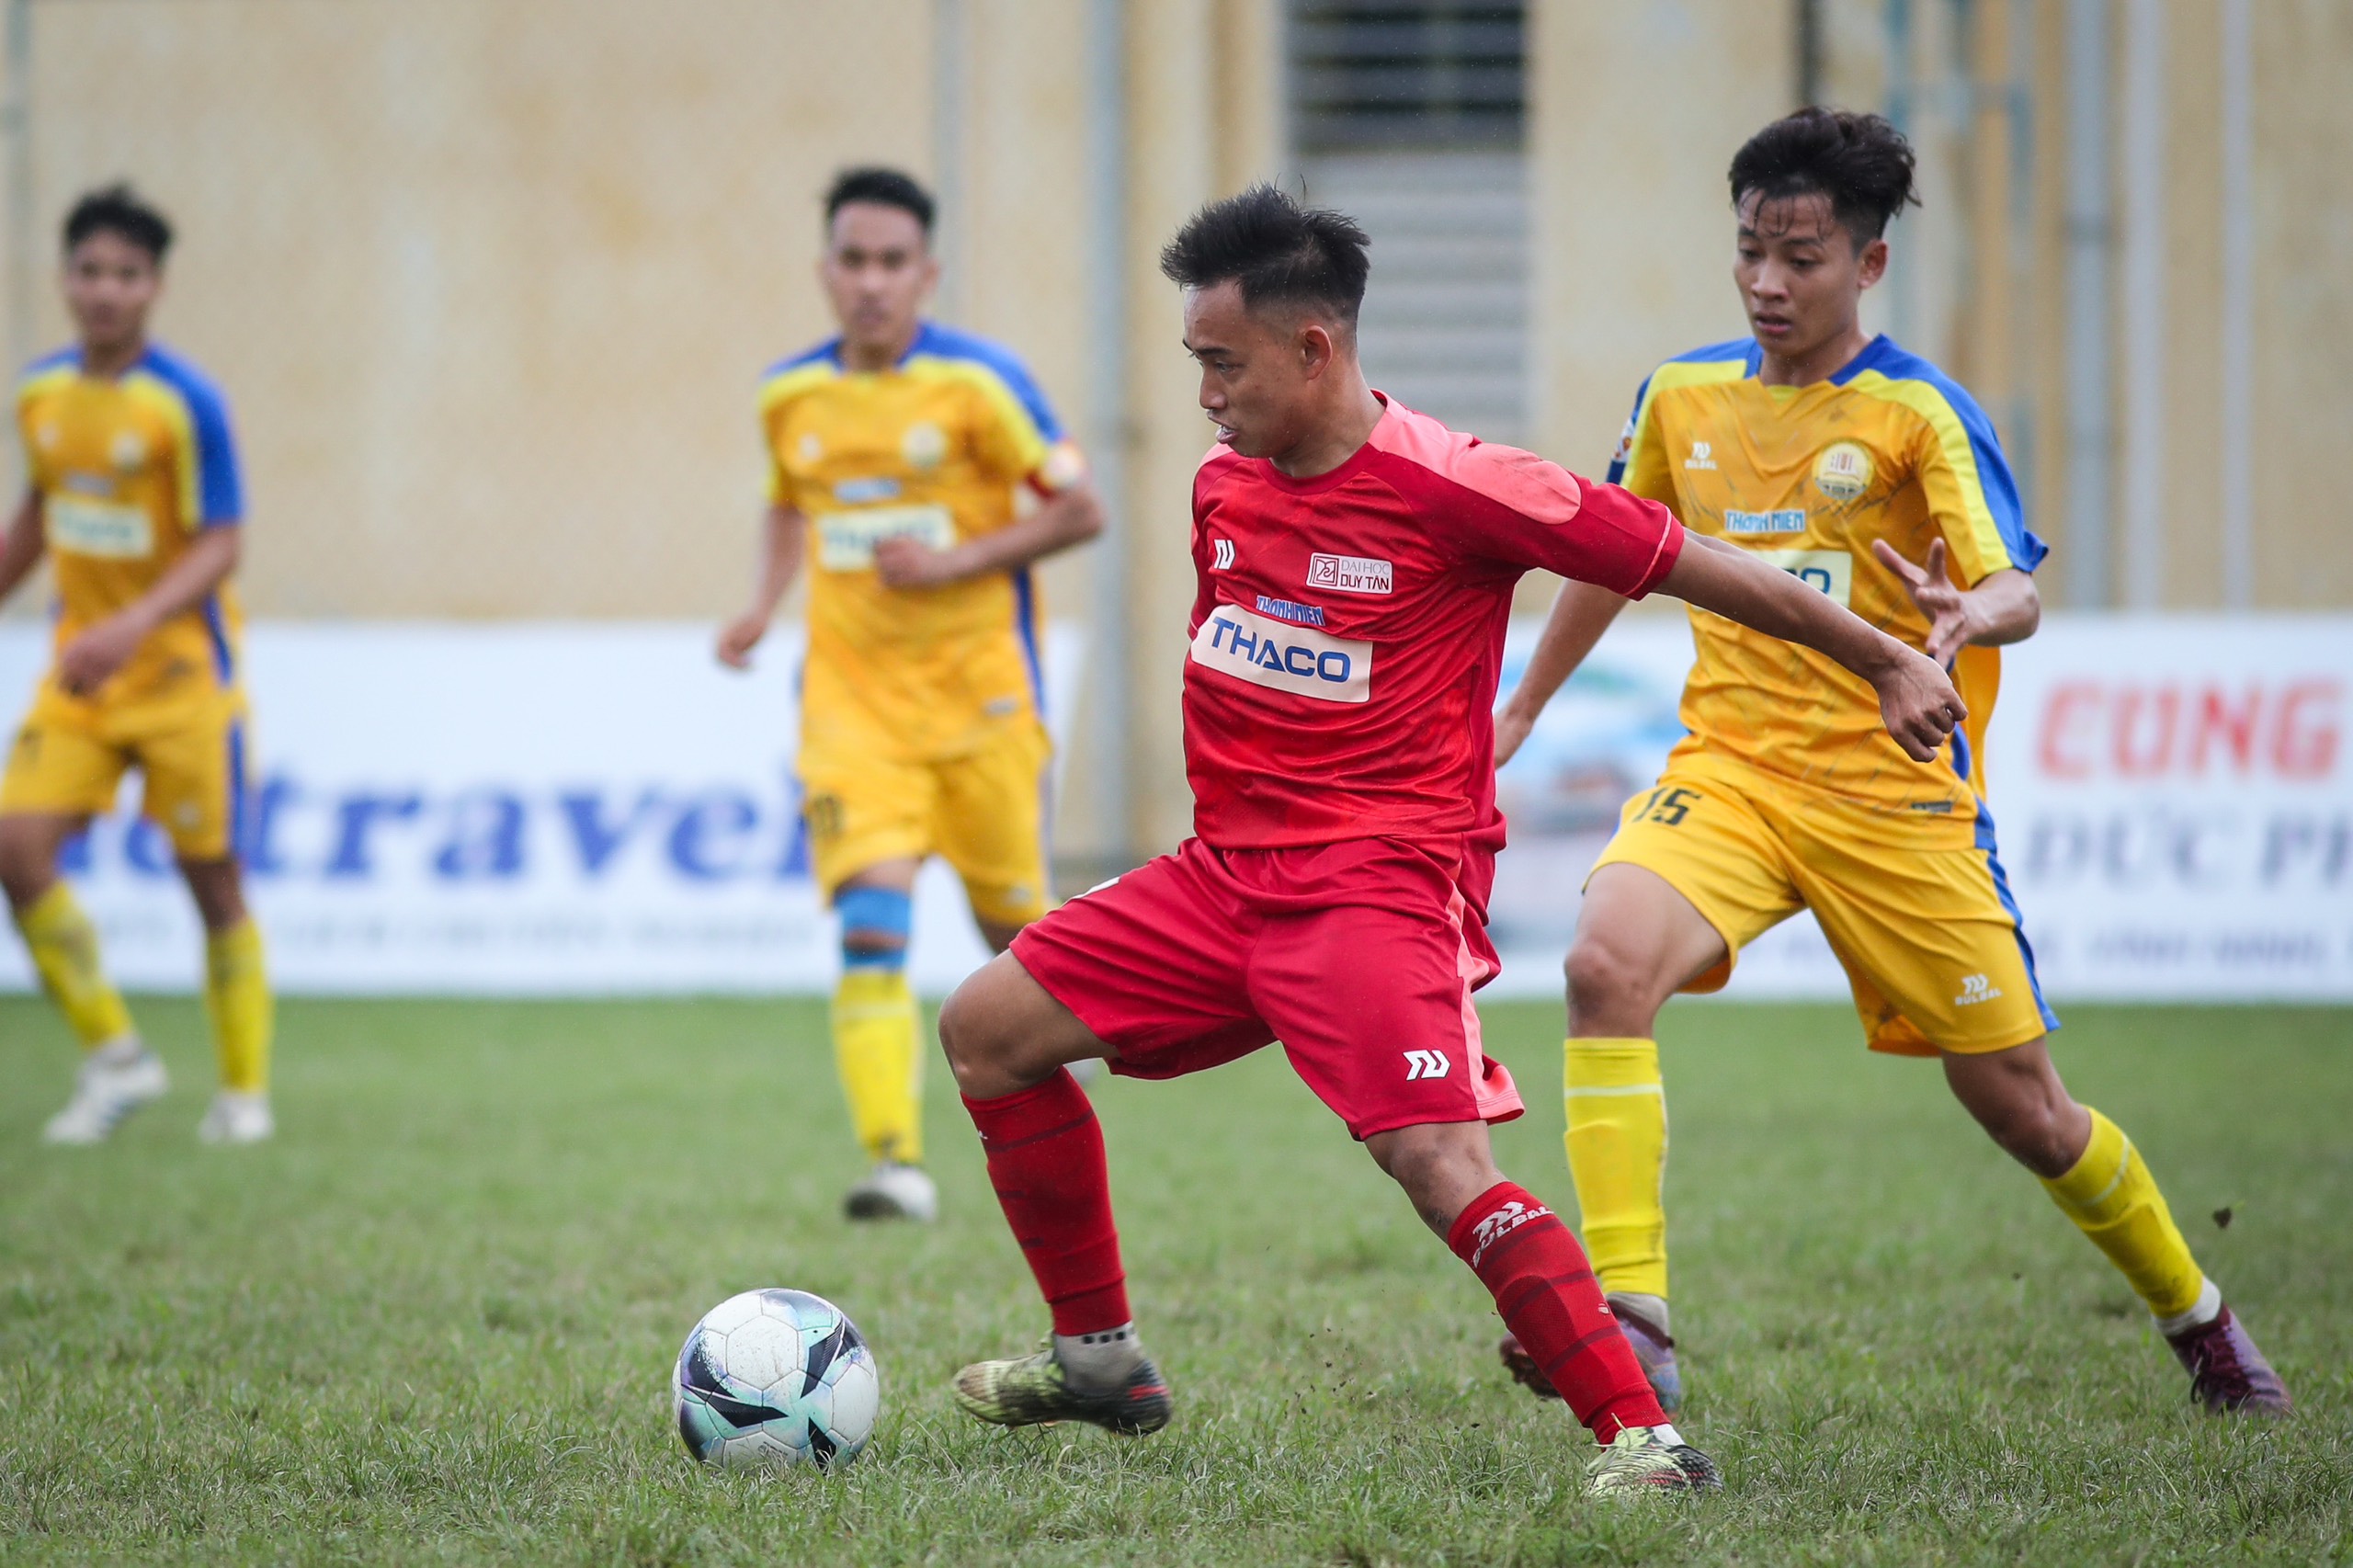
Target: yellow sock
(881, 1065)
(2113, 1199)
(237, 1000)
(65, 953)
(1617, 1143)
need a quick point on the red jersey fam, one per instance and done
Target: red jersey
(1348, 631)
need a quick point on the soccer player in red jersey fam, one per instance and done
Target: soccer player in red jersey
(1354, 563)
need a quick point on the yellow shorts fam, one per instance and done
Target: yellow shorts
(1929, 936)
(69, 757)
(984, 814)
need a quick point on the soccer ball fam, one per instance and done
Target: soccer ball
(776, 1378)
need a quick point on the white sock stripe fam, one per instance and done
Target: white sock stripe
(2205, 1310)
(2123, 1164)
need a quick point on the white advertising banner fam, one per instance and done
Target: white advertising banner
(521, 808)
(2173, 798)
(557, 809)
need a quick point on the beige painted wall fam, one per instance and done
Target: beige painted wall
(490, 284)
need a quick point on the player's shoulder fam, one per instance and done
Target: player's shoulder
(1733, 360)
(50, 370)
(1888, 372)
(797, 374)
(184, 378)
(1419, 447)
(947, 350)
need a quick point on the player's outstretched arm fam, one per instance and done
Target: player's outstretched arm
(23, 548)
(781, 543)
(1064, 518)
(1916, 698)
(2003, 607)
(1580, 615)
(91, 659)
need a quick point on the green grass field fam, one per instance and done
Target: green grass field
(434, 1320)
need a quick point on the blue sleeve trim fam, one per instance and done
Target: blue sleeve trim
(947, 343)
(2001, 488)
(1713, 353)
(1617, 474)
(220, 495)
(829, 349)
(69, 355)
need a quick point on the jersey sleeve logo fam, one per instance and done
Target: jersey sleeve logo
(1843, 471)
(1284, 658)
(1350, 574)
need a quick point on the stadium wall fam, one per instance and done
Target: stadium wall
(490, 286)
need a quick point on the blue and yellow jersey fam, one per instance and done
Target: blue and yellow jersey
(1888, 448)
(936, 448)
(128, 470)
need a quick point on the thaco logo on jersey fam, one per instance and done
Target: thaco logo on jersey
(1267, 652)
(1350, 574)
(1220, 555)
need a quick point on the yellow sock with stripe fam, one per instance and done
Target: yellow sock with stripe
(1617, 1143)
(64, 947)
(2113, 1199)
(875, 1046)
(237, 1001)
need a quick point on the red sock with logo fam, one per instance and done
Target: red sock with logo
(1045, 1151)
(1546, 1292)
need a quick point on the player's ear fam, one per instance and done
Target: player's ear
(1315, 349)
(1871, 266)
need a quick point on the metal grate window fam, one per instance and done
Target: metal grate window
(1373, 74)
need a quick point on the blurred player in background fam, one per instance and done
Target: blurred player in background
(1866, 473)
(1355, 562)
(133, 495)
(900, 449)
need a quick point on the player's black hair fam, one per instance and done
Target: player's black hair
(884, 187)
(119, 210)
(1860, 160)
(1280, 251)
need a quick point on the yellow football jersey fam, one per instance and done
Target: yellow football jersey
(1890, 448)
(128, 470)
(935, 448)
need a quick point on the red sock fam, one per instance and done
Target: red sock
(1546, 1292)
(1045, 1151)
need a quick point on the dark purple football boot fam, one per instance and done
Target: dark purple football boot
(2227, 1374)
(1653, 1349)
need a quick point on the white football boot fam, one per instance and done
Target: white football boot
(236, 1118)
(893, 1192)
(115, 1080)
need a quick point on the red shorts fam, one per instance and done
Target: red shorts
(1359, 957)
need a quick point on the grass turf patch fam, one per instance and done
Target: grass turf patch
(434, 1320)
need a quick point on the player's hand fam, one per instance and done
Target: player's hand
(1511, 729)
(739, 637)
(906, 563)
(92, 658)
(1917, 702)
(1951, 624)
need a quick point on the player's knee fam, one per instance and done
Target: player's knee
(981, 1052)
(876, 925)
(2023, 1106)
(1604, 980)
(26, 864)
